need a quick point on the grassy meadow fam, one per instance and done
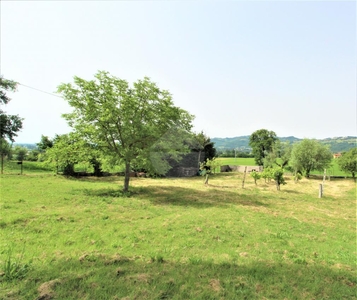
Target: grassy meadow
(175, 238)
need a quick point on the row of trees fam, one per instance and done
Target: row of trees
(302, 157)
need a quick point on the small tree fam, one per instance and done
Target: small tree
(205, 171)
(267, 174)
(213, 164)
(348, 162)
(297, 177)
(255, 175)
(278, 175)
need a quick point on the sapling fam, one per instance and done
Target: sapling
(255, 175)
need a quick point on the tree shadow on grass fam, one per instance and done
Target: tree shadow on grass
(98, 276)
(173, 195)
(290, 191)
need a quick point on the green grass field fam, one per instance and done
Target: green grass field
(65, 238)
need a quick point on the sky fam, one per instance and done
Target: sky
(237, 66)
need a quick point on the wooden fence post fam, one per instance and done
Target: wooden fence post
(245, 172)
(321, 190)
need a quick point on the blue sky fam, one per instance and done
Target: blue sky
(238, 66)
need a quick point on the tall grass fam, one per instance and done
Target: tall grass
(178, 239)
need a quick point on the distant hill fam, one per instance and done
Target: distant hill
(241, 143)
(28, 146)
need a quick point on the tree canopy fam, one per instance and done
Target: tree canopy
(309, 155)
(10, 125)
(129, 123)
(348, 161)
(262, 142)
(278, 156)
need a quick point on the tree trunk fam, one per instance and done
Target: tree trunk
(2, 163)
(277, 185)
(69, 169)
(127, 176)
(199, 158)
(206, 181)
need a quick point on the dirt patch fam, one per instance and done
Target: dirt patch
(116, 259)
(215, 285)
(46, 289)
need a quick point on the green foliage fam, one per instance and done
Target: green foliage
(348, 162)
(5, 151)
(262, 142)
(19, 153)
(70, 149)
(278, 176)
(202, 144)
(33, 155)
(267, 174)
(44, 144)
(297, 176)
(310, 155)
(125, 122)
(278, 156)
(225, 146)
(5, 147)
(256, 176)
(213, 164)
(10, 125)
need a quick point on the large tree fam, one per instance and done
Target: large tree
(262, 142)
(10, 125)
(348, 161)
(127, 123)
(309, 155)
